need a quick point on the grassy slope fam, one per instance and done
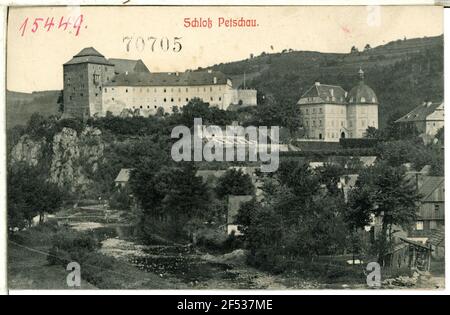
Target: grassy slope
(28, 269)
(403, 73)
(20, 106)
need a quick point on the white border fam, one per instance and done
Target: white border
(3, 17)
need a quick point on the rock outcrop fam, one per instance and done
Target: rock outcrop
(27, 150)
(72, 159)
(76, 158)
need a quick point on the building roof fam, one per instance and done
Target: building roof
(325, 93)
(437, 237)
(362, 93)
(89, 55)
(421, 112)
(128, 65)
(168, 79)
(124, 175)
(431, 189)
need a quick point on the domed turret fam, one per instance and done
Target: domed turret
(362, 93)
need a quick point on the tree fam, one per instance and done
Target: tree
(275, 113)
(234, 182)
(354, 50)
(170, 193)
(29, 194)
(367, 47)
(372, 133)
(382, 191)
(330, 175)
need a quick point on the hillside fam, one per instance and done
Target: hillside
(20, 106)
(403, 73)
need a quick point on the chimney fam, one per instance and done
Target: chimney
(126, 72)
(429, 104)
(209, 71)
(332, 92)
(215, 80)
(317, 83)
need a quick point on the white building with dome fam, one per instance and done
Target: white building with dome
(329, 112)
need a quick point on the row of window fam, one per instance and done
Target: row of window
(333, 123)
(173, 100)
(164, 89)
(331, 135)
(328, 99)
(307, 111)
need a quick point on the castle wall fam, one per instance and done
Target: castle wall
(149, 98)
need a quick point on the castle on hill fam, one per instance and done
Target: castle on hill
(97, 86)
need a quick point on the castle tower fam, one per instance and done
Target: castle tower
(362, 108)
(84, 76)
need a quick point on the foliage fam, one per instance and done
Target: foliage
(120, 199)
(382, 191)
(174, 193)
(29, 194)
(296, 218)
(234, 182)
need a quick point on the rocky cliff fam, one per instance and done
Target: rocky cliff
(74, 158)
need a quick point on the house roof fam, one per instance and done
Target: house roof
(89, 55)
(431, 189)
(124, 175)
(326, 93)
(414, 243)
(168, 79)
(368, 160)
(437, 237)
(421, 112)
(128, 65)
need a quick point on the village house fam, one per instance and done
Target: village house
(123, 177)
(97, 86)
(432, 209)
(426, 119)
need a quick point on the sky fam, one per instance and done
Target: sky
(34, 60)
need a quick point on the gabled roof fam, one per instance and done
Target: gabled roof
(325, 93)
(431, 189)
(168, 79)
(124, 175)
(128, 65)
(88, 55)
(421, 112)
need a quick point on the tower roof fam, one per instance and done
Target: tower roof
(89, 55)
(362, 93)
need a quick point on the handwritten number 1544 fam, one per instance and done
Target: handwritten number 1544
(163, 43)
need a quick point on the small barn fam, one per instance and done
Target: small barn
(409, 253)
(123, 177)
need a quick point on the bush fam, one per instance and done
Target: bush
(358, 143)
(69, 245)
(120, 200)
